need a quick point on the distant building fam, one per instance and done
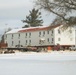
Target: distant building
(40, 36)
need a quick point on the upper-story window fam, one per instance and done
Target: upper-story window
(59, 31)
(12, 36)
(25, 35)
(43, 33)
(29, 35)
(70, 31)
(48, 32)
(59, 39)
(18, 35)
(52, 31)
(39, 34)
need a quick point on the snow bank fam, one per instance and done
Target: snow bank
(55, 55)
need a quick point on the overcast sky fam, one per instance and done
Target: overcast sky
(13, 11)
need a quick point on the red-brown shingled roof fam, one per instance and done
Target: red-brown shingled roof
(38, 28)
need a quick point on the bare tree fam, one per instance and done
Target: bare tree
(63, 9)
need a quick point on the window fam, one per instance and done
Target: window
(47, 32)
(48, 40)
(29, 35)
(39, 34)
(70, 31)
(19, 42)
(18, 35)
(52, 31)
(52, 39)
(39, 41)
(25, 35)
(43, 33)
(59, 39)
(26, 42)
(12, 43)
(29, 41)
(12, 36)
(59, 31)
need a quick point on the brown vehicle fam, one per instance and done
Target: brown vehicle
(9, 51)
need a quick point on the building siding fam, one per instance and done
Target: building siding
(40, 37)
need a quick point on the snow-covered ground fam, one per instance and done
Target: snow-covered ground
(31, 63)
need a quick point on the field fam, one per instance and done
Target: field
(32, 63)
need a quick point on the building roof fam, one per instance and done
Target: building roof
(31, 29)
(13, 31)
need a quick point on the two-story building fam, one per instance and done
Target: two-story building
(40, 36)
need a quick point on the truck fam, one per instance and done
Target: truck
(72, 48)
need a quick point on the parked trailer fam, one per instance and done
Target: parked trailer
(3, 45)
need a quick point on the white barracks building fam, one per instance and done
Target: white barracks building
(40, 36)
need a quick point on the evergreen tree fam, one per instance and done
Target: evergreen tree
(33, 19)
(26, 26)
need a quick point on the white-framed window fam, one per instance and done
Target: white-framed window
(52, 39)
(59, 39)
(59, 32)
(12, 36)
(19, 42)
(52, 32)
(29, 35)
(25, 35)
(29, 42)
(26, 42)
(70, 31)
(43, 33)
(39, 33)
(48, 40)
(48, 32)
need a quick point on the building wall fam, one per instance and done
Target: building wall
(37, 38)
(66, 37)
(41, 38)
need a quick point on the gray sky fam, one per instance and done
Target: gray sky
(13, 11)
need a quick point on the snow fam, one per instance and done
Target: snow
(18, 29)
(32, 63)
(13, 31)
